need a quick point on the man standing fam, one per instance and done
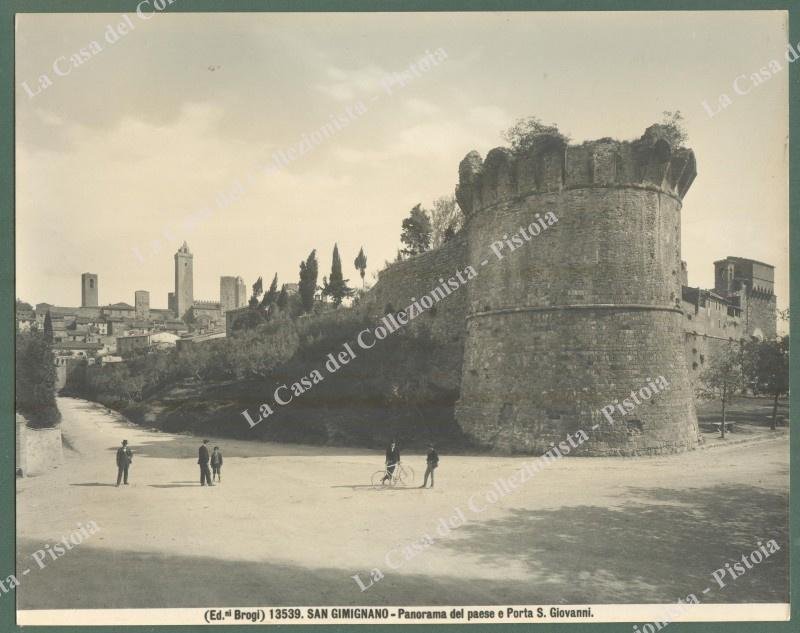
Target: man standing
(392, 459)
(124, 459)
(433, 462)
(202, 459)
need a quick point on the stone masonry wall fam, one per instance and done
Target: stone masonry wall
(578, 316)
(587, 311)
(417, 276)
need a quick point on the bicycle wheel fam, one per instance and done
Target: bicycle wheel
(377, 479)
(406, 476)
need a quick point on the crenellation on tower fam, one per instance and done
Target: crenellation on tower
(552, 166)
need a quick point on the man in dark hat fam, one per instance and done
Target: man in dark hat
(203, 459)
(432, 463)
(124, 459)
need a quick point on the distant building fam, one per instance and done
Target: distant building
(749, 285)
(163, 340)
(206, 315)
(740, 307)
(231, 316)
(171, 304)
(142, 305)
(89, 290)
(232, 293)
(187, 341)
(184, 285)
(121, 310)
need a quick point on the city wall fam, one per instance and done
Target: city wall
(578, 317)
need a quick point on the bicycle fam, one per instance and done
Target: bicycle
(403, 476)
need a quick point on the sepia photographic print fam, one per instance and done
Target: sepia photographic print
(468, 317)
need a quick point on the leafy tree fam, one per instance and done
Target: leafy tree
(446, 220)
(35, 378)
(249, 319)
(48, 327)
(671, 129)
(766, 367)
(336, 287)
(674, 126)
(722, 378)
(529, 132)
(417, 231)
(271, 295)
(309, 270)
(283, 298)
(360, 264)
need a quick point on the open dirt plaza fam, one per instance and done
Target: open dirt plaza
(291, 525)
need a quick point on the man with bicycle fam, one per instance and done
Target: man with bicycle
(392, 459)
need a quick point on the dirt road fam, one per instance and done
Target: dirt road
(292, 525)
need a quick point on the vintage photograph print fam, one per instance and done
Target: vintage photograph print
(466, 317)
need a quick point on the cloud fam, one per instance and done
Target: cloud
(349, 85)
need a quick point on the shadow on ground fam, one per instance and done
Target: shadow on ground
(660, 546)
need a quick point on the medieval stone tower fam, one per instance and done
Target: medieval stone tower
(585, 313)
(141, 302)
(184, 275)
(89, 290)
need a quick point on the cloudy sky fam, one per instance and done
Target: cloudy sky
(115, 157)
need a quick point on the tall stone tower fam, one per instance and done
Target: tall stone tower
(750, 285)
(588, 311)
(89, 290)
(184, 275)
(141, 300)
(231, 293)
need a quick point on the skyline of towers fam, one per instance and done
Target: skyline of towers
(232, 290)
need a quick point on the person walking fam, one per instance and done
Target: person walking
(216, 464)
(392, 459)
(124, 459)
(203, 459)
(433, 462)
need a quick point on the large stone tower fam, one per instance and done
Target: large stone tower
(184, 275)
(231, 293)
(89, 290)
(750, 285)
(586, 312)
(141, 302)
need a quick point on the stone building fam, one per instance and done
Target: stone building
(206, 315)
(740, 307)
(127, 346)
(750, 286)
(184, 284)
(232, 293)
(142, 305)
(89, 290)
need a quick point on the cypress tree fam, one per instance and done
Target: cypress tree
(309, 270)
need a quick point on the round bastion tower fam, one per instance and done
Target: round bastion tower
(568, 324)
